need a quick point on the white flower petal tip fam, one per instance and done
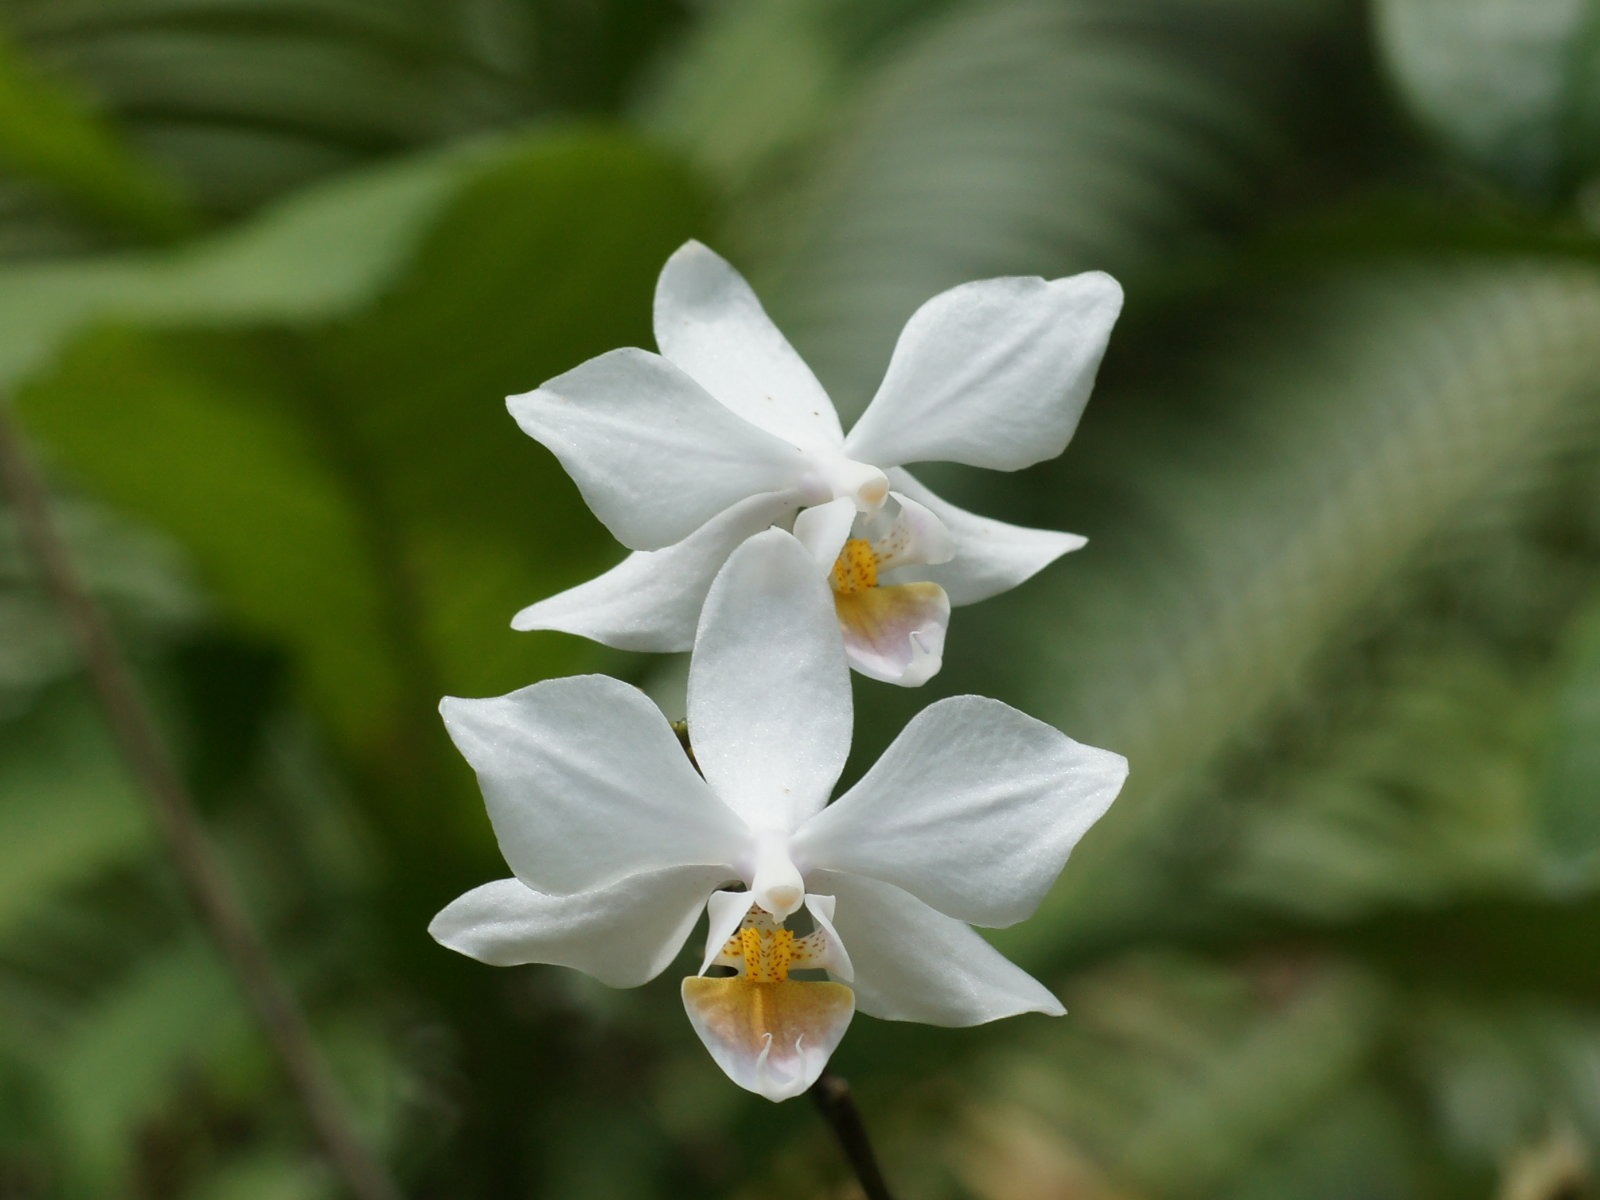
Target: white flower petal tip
(993, 373)
(895, 634)
(773, 1039)
(710, 324)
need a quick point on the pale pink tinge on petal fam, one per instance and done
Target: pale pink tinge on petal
(895, 634)
(773, 1039)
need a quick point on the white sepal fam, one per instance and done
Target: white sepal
(709, 322)
(653, 454)
(973, 809)
(988, 557)
(651, 600)
(915, 964)
(623, 935)
(586, 784)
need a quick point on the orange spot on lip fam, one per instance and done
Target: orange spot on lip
(856, 568)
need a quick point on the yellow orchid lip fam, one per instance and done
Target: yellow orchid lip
(772, 1034)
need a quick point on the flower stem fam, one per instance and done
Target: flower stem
(838, 1107)
(205, 880)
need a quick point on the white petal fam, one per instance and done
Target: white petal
(824, 528)
(989, 557)
(973, 809)
(770, 1038)
(586, 784)
(896, 633)
(724, 913)
(915, 964)
(651, 600)
(623, 935)
(993, 374)
(769, 691)
(654, 456)
(710, 323)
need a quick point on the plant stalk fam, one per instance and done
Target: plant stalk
(205, 880)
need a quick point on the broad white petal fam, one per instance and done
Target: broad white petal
(651, 600)
(586, 784)
(769, 691)
(709, 322)
(895, 633)
(973, 809)
(823, 530)
(654, 456)
(993, 374)
(724, 913)
(915, 964)
(770, 1038)
(988, 557)
(623, 935)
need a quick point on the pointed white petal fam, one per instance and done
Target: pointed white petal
(988, 557)
(896, 633)
(654, 456)
(724, 912)
(651, 600)
(622, 935)
(586, 784)
(993, 374)
(915, 964)
(973, 809)
(710, 324)
(770, 1038)
(769, 691)
(824, 528)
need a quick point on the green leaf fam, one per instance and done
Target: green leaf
(50, 134)
(354, 489)
(1511, 86)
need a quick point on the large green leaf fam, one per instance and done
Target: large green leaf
(1512, 86)
(355, 490)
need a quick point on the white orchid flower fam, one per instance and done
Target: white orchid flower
(726, 432)
(617, 843)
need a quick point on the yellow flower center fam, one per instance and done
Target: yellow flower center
(765, 952)
(856, 568)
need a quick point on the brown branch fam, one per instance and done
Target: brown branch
(205, 881)
(838, 1107)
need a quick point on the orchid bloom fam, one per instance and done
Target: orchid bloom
(685, 454)
(617, 843)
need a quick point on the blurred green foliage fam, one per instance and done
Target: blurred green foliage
(267, 268)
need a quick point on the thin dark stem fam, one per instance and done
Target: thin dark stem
(838, 1108)
(205, 881)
